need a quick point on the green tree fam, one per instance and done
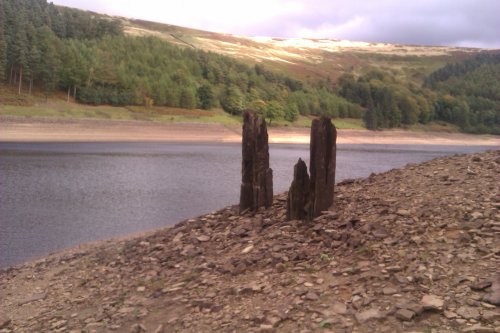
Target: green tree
(273, 111)
(3, 44)
(370, 117)
(409, 110)
(291, 112)
(232, 101)
(206, 97)
(187, 98)
(20, 47)
(50, 62)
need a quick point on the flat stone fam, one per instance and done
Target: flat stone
(449, 314)
(247, 249)
(479, 329)
(468, 312)
(414, 307)
(476, 215)
(178, 237)
(367, 315)
(138, 328)
(203, 238)
(159, 329)
(432, 302)
(312, 296)
(492, 298)
(491, 315)
(488, 305)
(33, 298)
(404, 314)
(4, 321)
(264, 328)
(273, 320)
(59, 324)
(480, 285)
(389, 291)
(339, 308)
(403, 212)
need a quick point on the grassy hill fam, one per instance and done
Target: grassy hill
(309, 59)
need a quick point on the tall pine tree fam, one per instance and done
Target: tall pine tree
(49, 63)
(3, 44)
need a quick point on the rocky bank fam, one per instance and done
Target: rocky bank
(411, 250)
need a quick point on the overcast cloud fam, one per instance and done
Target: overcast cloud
(474, 23)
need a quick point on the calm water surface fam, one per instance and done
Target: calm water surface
(58, 195)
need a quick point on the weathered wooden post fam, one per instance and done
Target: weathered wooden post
(257, 177)
(298, 195)
(323, 150)
(308, 197)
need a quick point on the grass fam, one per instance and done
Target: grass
(34, 107)
(59, 108)
(436, 126)
(305, 121)
(348, 123)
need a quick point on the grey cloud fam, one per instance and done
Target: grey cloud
(445, 22)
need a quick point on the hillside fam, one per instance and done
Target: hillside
(101, 60)
(309, 59)
(410, 250)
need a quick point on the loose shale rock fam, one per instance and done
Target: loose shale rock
(226, 272)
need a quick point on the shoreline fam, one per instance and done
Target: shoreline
(19, 129)
(379, 262)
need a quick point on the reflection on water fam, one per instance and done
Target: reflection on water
(57, 195)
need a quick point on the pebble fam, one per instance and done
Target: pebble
(404, 314)
(367, 315)
(468, 312)
(479, 329)
(389, 291)
(247, 249)
(4, 321)
(339, 308)
(491, 316)
(312, 296)
(203, 238)
(432, 302)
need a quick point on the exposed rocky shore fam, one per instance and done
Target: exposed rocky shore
(411, 250)
(25, 129)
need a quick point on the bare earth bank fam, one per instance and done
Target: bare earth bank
(411, 250)
(17, 129)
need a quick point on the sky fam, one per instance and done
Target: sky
(471, 23)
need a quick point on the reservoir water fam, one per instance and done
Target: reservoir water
(58, 195)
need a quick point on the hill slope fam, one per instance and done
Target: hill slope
(311, 59)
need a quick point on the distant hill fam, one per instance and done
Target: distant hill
(307, 58)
